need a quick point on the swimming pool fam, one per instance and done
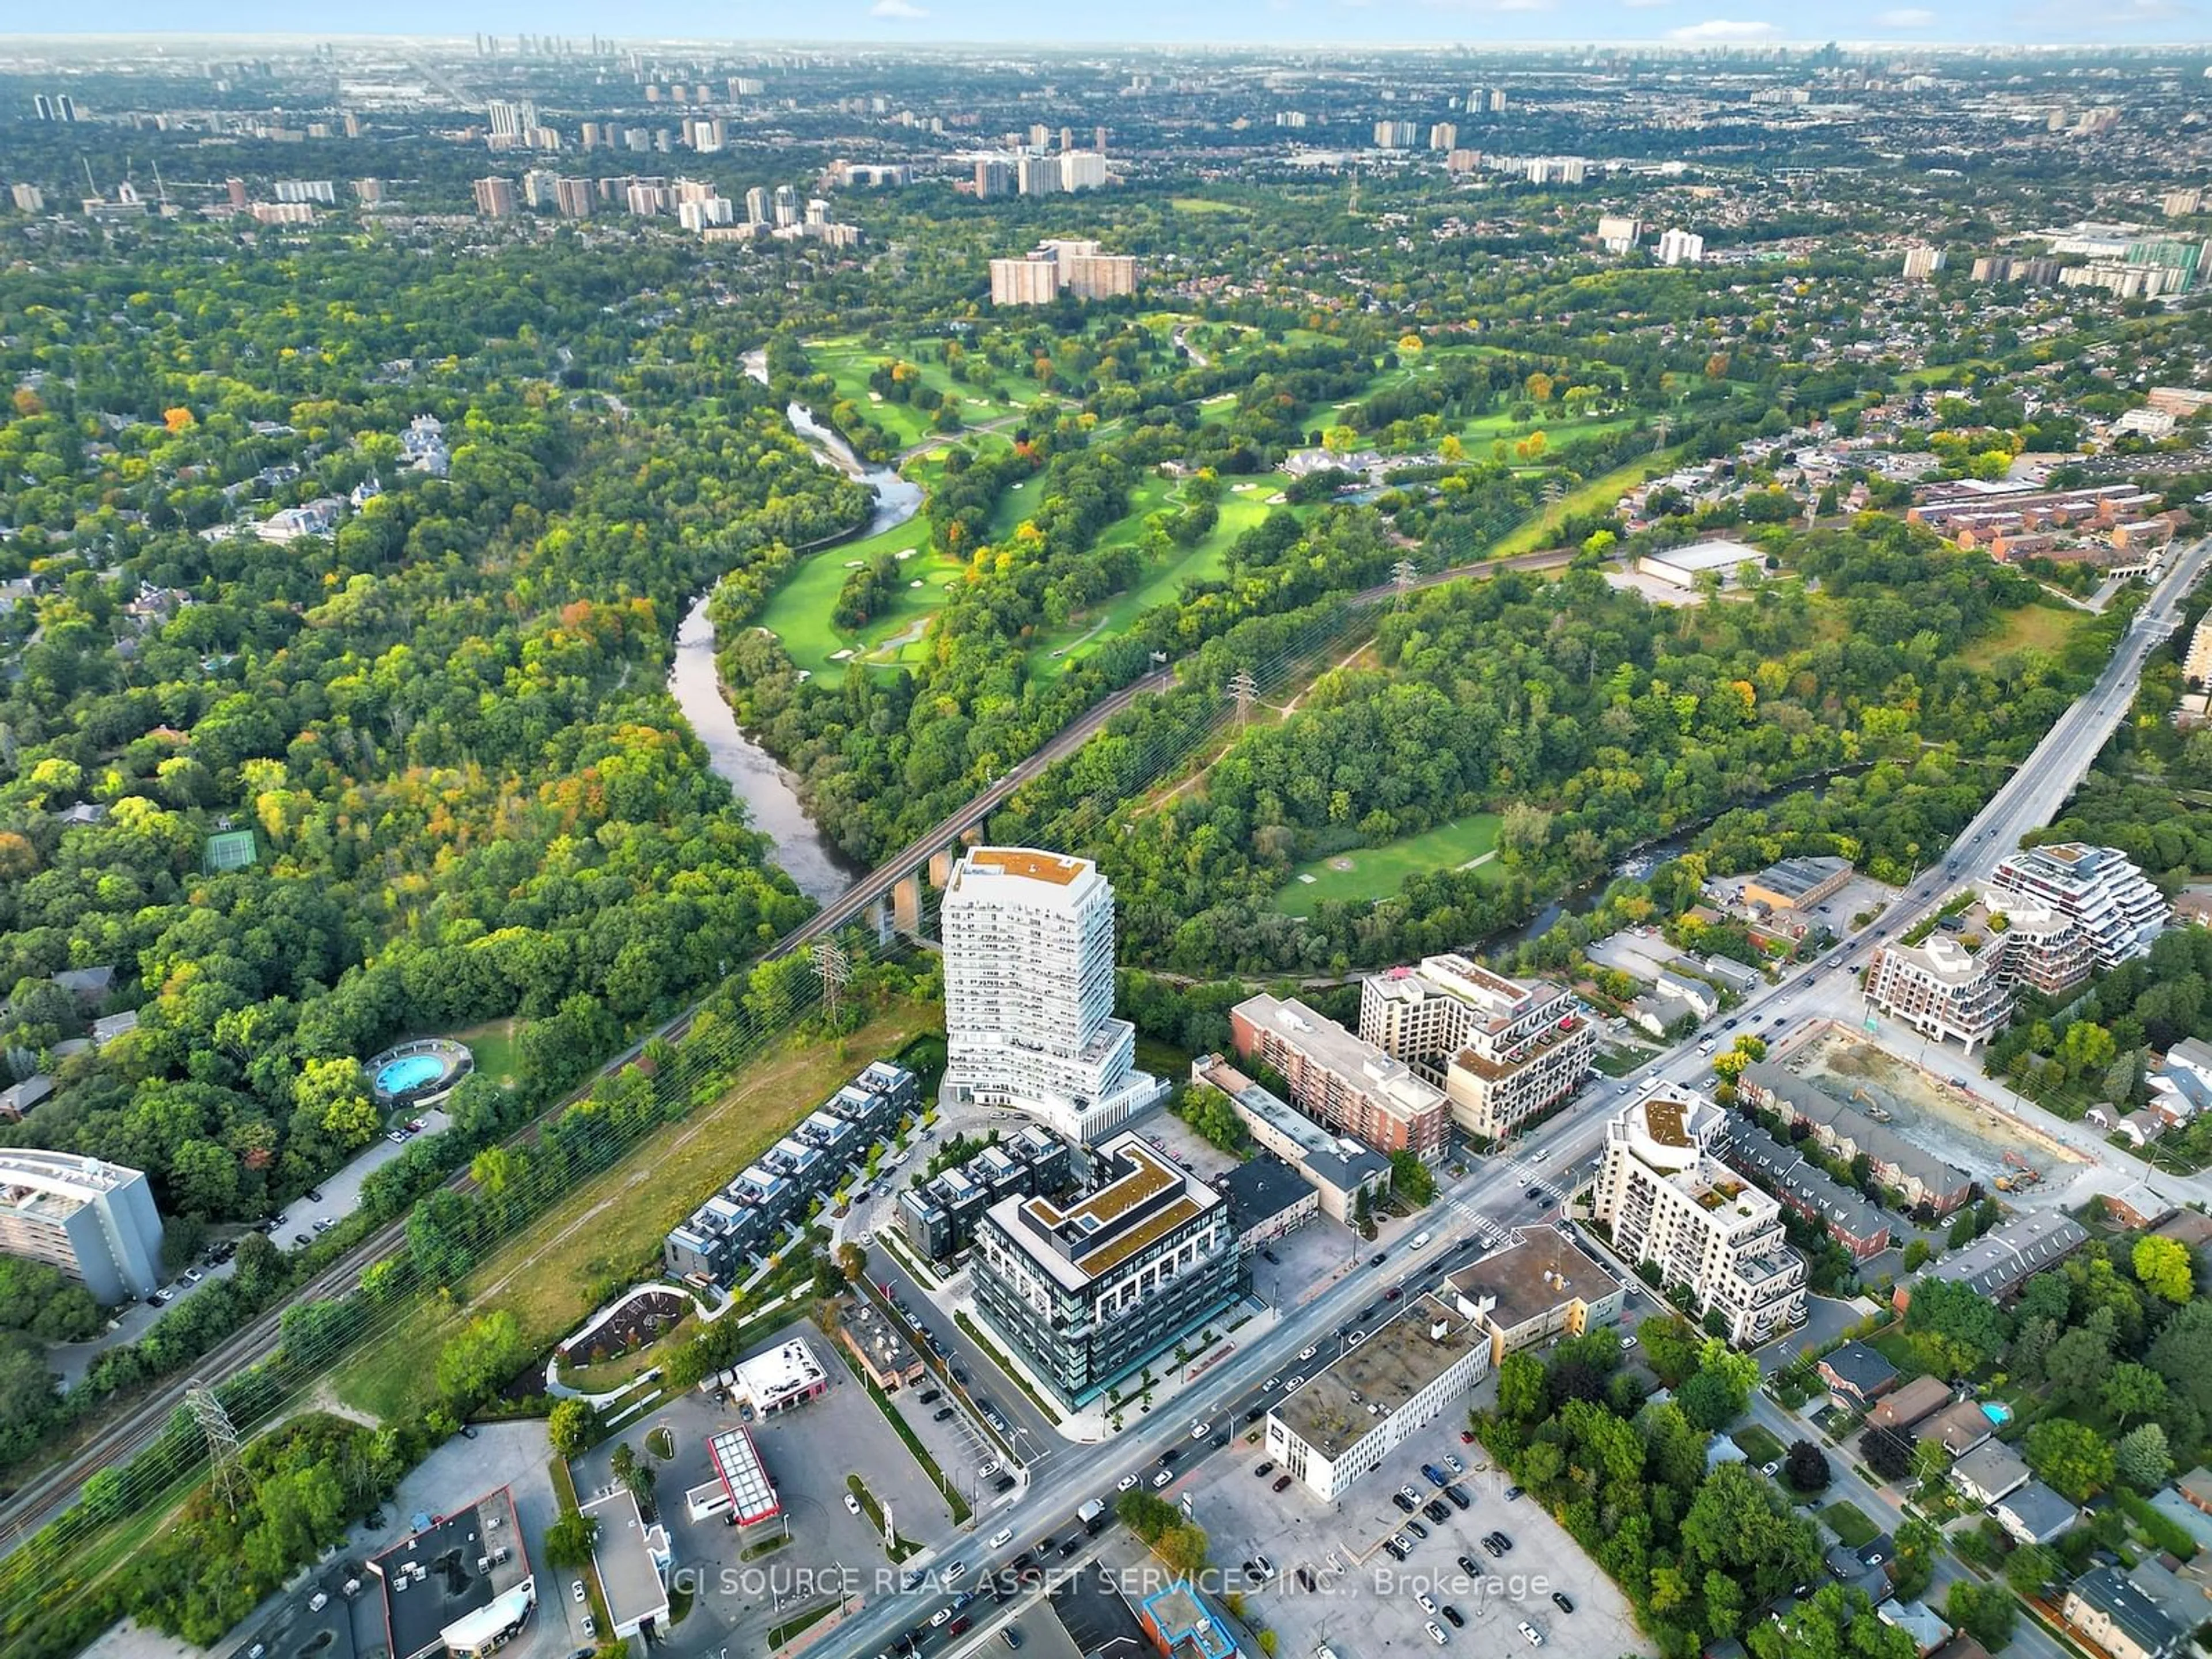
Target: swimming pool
(410, 1071)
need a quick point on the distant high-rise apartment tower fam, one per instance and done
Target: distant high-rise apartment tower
(787, 206)
(571, 198)
(1681, 247)
(1290, 118)
(1443, 136)
(512, 121)
(1083, 169)
(994, 180)
(235, 187)
(368, 192)
(1040, 135)
(757, 205)
(1498, 100)
(1023, 283)
(495, 197)
(1395, 135)
(28, 198)
(1921, 263)
(1039, 175)
(1618, 233)
(1028, 991)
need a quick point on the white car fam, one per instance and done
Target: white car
(1127, 1483)
(1201, 1429)
(1530, 1635)
(1435, 1633)
(954, 1573)
(1298, 1382)
(1428, 1602)
(1262, 1568)
(576, 1589)
(1000, 1539)
(852, 1505)
(1454, 1464)
(1308, 1352)
(939, 1617)
(1161, 1478)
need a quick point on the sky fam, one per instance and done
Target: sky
(1234, 22)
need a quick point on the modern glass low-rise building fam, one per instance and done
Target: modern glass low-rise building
(1088, 1292)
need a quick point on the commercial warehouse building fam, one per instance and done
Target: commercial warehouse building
(1797, 884)
(461, 1585)
(1087, 1292)
(1337, 1167)
(1331, 1430)
(95, 1221)
(1505, 1051)
(1529, 1292)
(1348, 1084)
(632, 1560)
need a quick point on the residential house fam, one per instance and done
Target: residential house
(1916, 1619)
(2179, 1510)
(1857, 1375)
(1958, 1428)
(1696, 992)
(18, 1098)
(1844, 1130)
(1990, 1472)
(2104, 1608)
(2033, 1514)
(2182, 1597)
(2000, 1261)
(2196, 1487)
(1906, 1406)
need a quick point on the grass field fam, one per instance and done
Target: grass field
(545, 1275)
(492, 1046)
(1056, 649)
(2037, 627)
(798, 613)
(1849, 1523)
(1374, 872)
(1600, 492)
(1200, 204)
(849, 362)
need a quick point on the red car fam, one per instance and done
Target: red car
(1282, 1482)
(958, 1628)
(1465, 1438)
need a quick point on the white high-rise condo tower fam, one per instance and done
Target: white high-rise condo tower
(1028, 992)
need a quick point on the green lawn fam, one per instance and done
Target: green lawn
(2038, 627)
(1600, 492)
(798, 613)
(849, 362)
(1055, 649)
(492, 1046)
(1756, 1444)
(1201, 205)
(1852, 1529)
(1374, 872)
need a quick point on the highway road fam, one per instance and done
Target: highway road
(1493, 1198)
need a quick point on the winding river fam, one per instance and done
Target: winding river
(770, 793)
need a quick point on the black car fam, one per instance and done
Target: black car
(1306, 1580)
(1271, 1258)
(1265, 1469)
(1490, 1544)
(1504, 1542)
(314, 1194)
(931, 1396)
(1457, 1493)
(1073, 1544)
(1512, 1492)
(1452, 1617)
(1404, 1504)
(1532, 1194)
(1220, 1440)
(1466, 1565)
(1417, 1529)
(943, 1414)
(1436, 1511)
(1375, 1261)
(1395, 1553)
(1563, 1601)
(1171, 1457)
(960, 1376)
(1004, 1482)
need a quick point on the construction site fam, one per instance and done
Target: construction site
(1941, 1114)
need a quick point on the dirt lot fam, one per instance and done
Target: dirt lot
(1927, 1110)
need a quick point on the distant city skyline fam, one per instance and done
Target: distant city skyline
(1258, 24)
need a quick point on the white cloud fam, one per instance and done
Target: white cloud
(1723, 31)
(904, 11)
(1906, 18)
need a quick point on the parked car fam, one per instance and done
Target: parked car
(1126, 1483)
(1436, 1511)
(576, 1589)
(931, 1396)
(1457, 1493)
(1512, 1492)
(1005, 1483)
(1563, 1601)
(591, 1628)
(1454, 1464)
(1435, 1633)
(943, 1413)
(1011, 1636)
(1283, 1482)
(1417, 1529)
(1436, 1476)
(1528, 1634)
(1427, 1601)
(1265, 1470)
(1271, 1258)
(1466, 1565)
(1404, 1504)
(1452, 1617)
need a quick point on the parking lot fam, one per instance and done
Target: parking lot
(1364, 1601)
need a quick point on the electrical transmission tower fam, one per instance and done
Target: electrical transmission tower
(1555, 492)
(1660, 428)
(1243, 692)
(1401, 578)
(833, 968)
(222, 1437)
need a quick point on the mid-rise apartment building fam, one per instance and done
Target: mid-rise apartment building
(94, 1221)
(1088, 1292)
(1029, 993)
(1505, 1051)
(1348, 1084)
(2096, 888)
(1670, 1200)
(1681, 247)
(1338, 1168)
(2049, 917)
